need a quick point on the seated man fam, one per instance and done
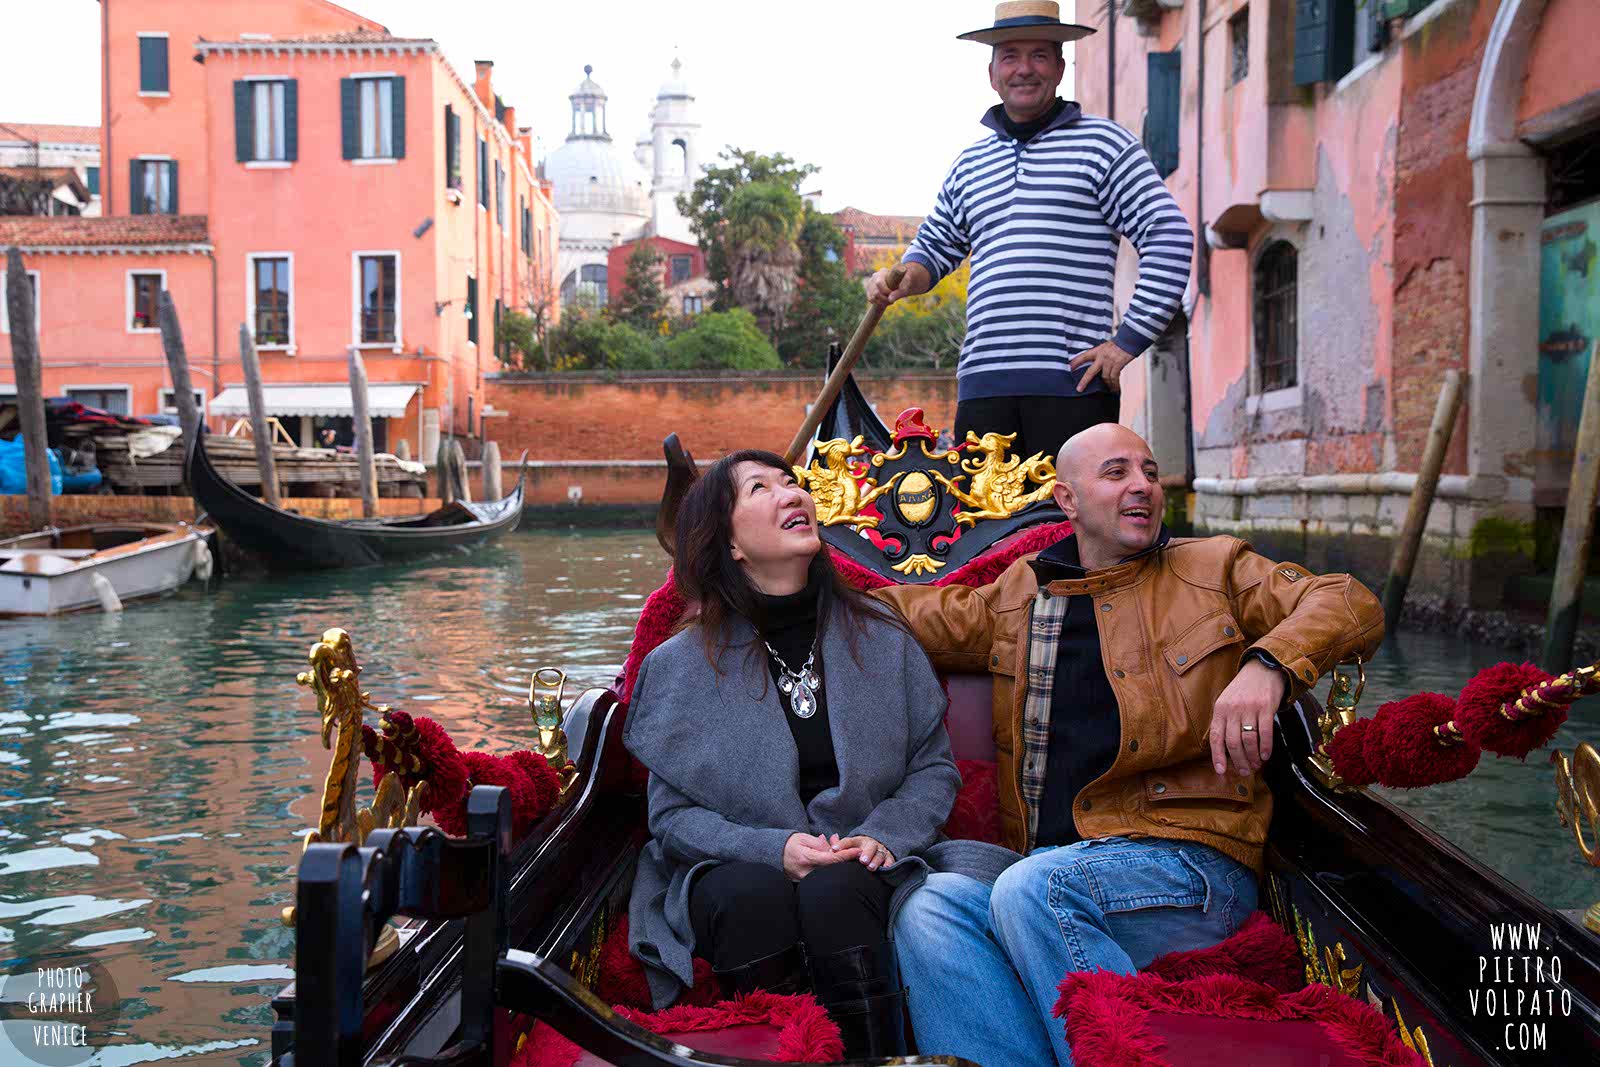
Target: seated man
(1135, 683)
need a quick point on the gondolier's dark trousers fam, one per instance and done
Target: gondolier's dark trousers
(1041, 423)
(744, 912)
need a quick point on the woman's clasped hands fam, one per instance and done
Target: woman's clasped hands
(804, 853)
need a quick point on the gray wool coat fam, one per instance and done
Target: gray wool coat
(725, 778)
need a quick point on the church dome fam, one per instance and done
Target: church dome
(589, 172)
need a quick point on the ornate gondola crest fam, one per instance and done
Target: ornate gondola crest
(909, 512)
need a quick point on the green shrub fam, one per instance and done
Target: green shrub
(722, 339)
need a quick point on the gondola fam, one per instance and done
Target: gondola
(502, 934)
(284, 540)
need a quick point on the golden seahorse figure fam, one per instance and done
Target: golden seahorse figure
(999, 486)
(842, 489)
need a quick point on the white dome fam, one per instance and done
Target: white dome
(592, 175)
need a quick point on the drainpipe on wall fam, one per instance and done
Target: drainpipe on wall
(106, 180)
(1202, 247)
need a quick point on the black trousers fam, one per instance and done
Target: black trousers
(743, 912)
(1041, 423)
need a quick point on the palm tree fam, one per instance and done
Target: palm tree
(763, 224)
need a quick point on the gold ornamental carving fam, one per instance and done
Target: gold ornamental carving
(544, 701)
(335, 678)
(999, 486)
(919, 564)
(1344, 693)
(1578, 807)
(841, 487)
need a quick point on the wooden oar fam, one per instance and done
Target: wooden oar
(835, 382)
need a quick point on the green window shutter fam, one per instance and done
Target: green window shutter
(452, 149)
(1164, 82)
(350, 117)
(136, 187)
(1399, 9)
(173, 204)
(153, 65)
(244, 126)
(291, 119)
(483, 172)
(398, 110)
(472, 306)
(1324, 40)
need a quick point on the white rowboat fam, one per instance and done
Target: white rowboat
(53, 572)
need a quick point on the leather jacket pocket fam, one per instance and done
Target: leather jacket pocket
(1173, 795)
(1203, 660)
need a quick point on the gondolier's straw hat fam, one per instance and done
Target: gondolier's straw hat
(1027, 20)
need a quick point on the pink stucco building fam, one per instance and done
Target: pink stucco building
(1377, 185)
(294, 168)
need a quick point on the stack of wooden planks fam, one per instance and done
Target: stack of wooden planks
(235, 458)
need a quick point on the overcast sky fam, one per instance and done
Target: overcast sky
(879, 95)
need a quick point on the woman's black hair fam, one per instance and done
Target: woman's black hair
(715, 586)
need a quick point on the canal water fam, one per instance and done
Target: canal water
(158, 767)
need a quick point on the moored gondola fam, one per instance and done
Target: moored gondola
(284, 540)
(509, 947)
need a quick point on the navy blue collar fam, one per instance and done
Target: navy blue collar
(995, 119)
(1059, 562)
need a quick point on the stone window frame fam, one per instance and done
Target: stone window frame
(1258, 400)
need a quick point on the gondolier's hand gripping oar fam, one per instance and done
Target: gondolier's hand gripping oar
(835, 382)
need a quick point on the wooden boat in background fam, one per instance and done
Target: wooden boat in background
(285, 540)
(53, 572)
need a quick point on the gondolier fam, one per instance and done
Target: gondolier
(1039, 204)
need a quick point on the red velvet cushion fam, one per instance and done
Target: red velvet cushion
(976, 814)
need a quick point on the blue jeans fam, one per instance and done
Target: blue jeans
(982, 965)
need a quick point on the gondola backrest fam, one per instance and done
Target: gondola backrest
(970, 719)
(347, 893)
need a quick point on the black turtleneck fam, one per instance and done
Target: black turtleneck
(790, 627)
(1027, 131)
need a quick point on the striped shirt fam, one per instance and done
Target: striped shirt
(1041, 221)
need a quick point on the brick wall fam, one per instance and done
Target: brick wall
(588, 417)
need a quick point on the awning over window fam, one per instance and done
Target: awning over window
(383, 401)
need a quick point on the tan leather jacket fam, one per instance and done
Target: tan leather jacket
(1174, 625)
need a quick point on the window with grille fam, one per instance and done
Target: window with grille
(272, 301)
(1277, 286)
(693, 305)
(146, 291)
(378, 303)
(114, 399)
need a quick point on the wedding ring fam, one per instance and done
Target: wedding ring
(1248, 729)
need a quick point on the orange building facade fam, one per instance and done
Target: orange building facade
(1373, 183)
(295, 169)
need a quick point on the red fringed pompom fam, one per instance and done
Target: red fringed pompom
(1414, 756)
(543, 777)
(1348, 750)
(1261, 951)
(445, 770)
(621, 979)
(1478, 711)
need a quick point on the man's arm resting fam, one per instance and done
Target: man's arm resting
(1306, 623)
(953, 623)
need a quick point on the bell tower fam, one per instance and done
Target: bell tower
(675, 154)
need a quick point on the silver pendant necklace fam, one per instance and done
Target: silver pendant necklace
(800, 687)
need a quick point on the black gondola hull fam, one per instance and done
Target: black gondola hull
(286, 541)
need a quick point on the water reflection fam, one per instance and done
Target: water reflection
(156, 768)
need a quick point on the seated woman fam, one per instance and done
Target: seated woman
(799, 766)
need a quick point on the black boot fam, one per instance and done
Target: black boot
(781, 972)
(861, 989)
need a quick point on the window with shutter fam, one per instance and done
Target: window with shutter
(153, 187)
(1164, 79)
(153, 63)
(500, 196)
(483, 173)
(350, 117)
(1324, 40)
(452, 148)
(380, 306)
(373, 114)
(1277, 293)
(472, 309)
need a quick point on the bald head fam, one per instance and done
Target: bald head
(1108, 485)
(1089, 449)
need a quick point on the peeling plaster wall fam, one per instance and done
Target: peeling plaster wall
(1563, 66)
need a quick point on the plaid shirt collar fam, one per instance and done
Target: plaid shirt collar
(1059, 562)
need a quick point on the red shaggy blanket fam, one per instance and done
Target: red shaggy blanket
(804, 1033)
(1261, 951)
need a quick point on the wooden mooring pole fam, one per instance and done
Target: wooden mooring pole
(360, 415)
(442, 466)
(1410, 541)
(178, 365)
(1577, 530)
(258, 417)
(491, 471)
(30, 389)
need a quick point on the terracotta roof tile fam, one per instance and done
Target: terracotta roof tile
(34, 231)
(343, 37)
(49, 132)
(894, 227)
